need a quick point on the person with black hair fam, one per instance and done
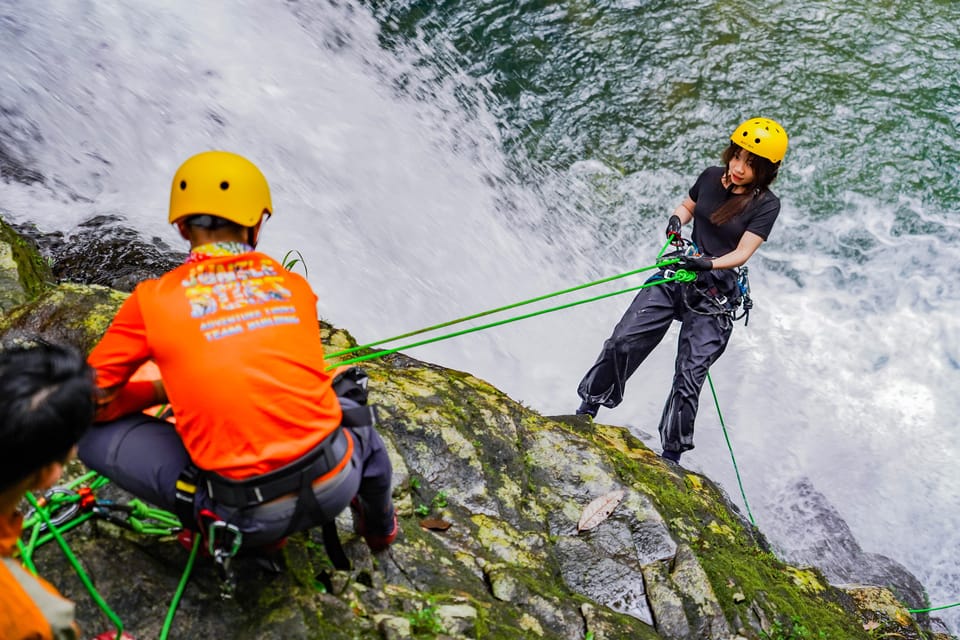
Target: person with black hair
(733, 212)
(46, 404)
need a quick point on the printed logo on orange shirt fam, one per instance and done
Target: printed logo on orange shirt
(244, 290)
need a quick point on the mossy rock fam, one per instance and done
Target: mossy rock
(68, 313)
(24, 274)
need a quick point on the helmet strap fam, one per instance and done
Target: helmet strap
(253, 234)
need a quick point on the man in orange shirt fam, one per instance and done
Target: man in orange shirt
(236, 339)
(46, 403)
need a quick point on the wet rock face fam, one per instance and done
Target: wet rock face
(490, 498)
(835, 551)
(104, 251)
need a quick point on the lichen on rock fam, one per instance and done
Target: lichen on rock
(674, 559)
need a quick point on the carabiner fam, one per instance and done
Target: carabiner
(63, 510)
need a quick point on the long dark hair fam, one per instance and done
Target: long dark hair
(764, 173)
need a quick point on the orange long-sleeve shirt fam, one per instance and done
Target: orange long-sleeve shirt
(237, 342)
(30, 608)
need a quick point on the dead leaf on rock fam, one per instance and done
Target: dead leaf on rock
(599, 510)
(435, 524)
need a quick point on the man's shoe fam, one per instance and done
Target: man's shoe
(377, 543)
(588, 409)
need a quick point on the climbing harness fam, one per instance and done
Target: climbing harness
(707, 299)
(300, 479)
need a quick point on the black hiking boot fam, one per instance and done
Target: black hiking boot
(671, 456)
(588, 409)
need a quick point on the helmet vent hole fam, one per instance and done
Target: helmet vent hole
(224, 185)
(183, 185)
(756, 140)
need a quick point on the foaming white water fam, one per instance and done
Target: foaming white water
(850, 380)
(406, 216)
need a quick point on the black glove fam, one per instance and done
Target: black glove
(691, 263)
(673, 228)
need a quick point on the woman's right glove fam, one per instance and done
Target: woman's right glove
(692, 263)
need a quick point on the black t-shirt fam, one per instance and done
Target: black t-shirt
(716, 240)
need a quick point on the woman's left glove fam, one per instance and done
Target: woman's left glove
(691, 263)
(673, 228)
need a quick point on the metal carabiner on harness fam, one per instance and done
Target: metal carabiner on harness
(223, 542)
(743, 282)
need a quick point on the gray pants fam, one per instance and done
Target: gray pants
(144, 456)
(702, 340)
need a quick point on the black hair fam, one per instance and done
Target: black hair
(211, 222)
(46, 405)
(764, 173)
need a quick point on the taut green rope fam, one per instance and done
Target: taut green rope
(474, 316)
(683, 276)
(946, 606)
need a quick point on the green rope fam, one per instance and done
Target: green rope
(26, 557)
(681, 275)
(142, 514)
(946, 606)
(76, 567)
(730, 447)
(175, 602)
(658, 265)
(141, 519)
(44, 539)
(747, 504)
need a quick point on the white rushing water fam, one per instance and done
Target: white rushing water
(406, 215)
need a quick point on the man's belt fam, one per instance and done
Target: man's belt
(318, 462)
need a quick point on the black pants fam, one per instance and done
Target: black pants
(145, 455)
(703, 337)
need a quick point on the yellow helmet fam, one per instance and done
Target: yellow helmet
(762, 137)
(221, 184)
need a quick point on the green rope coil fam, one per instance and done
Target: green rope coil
(84, 578)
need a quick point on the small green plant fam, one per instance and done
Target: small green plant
(289, 262)
(425, 620)
(439, 502)
(796, 631)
